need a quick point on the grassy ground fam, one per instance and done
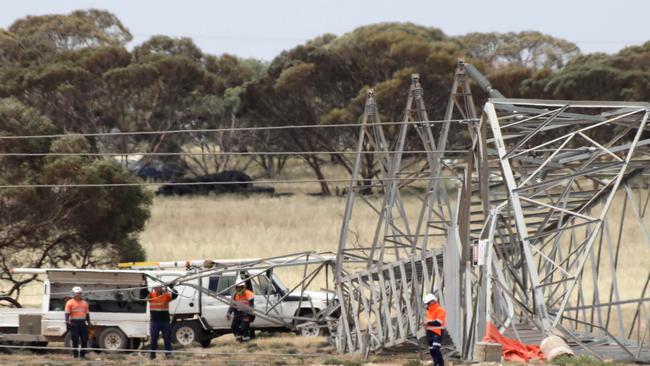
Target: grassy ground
(280, 349)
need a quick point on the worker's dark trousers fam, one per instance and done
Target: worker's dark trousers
(156, 327)
(241, 325)
(435, 342)
(79, 329)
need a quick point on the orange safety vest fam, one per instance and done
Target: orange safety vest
(243, 297)
(77, 309)
(436, 312)
(159, 302)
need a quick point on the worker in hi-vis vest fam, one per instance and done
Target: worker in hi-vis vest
(241, 322)
(77, 319)
(159, 300)
(434, 323)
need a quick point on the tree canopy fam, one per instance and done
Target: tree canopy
(55, 227)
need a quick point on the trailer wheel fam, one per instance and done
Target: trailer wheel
(187, 333)
(113, 339)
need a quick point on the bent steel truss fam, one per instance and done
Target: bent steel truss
(531, 229)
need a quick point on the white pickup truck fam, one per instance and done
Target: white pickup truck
(120, 315)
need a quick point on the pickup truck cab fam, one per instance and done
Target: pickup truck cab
(200, 317)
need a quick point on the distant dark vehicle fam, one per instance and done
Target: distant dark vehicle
(228, 181)
(159, 171)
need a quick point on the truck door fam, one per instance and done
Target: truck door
(214, 310)
(187, 301)
(266, 298)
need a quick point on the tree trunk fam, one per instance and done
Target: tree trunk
(315, 165)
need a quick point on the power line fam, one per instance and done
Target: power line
(211, 130)
(254, 153)
(235, 153)
(138, 184)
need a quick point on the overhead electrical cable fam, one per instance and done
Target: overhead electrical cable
(138, 184)
(213, 130)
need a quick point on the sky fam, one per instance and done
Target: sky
(263, 28)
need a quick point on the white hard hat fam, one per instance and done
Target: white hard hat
(429, 297)
(77, 290)
(239, 281)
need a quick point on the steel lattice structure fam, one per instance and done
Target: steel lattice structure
(380, 299)
(529, 236)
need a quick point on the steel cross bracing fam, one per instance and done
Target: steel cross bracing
(565, 181)
(532, 235)
(381, 301)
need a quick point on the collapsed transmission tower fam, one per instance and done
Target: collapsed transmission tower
(529, 230)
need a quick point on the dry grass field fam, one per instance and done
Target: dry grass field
(241, 227)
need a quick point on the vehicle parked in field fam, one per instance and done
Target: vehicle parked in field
(120, 314)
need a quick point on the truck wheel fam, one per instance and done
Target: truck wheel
(187, 333)
(113, 339)
(308, 328)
